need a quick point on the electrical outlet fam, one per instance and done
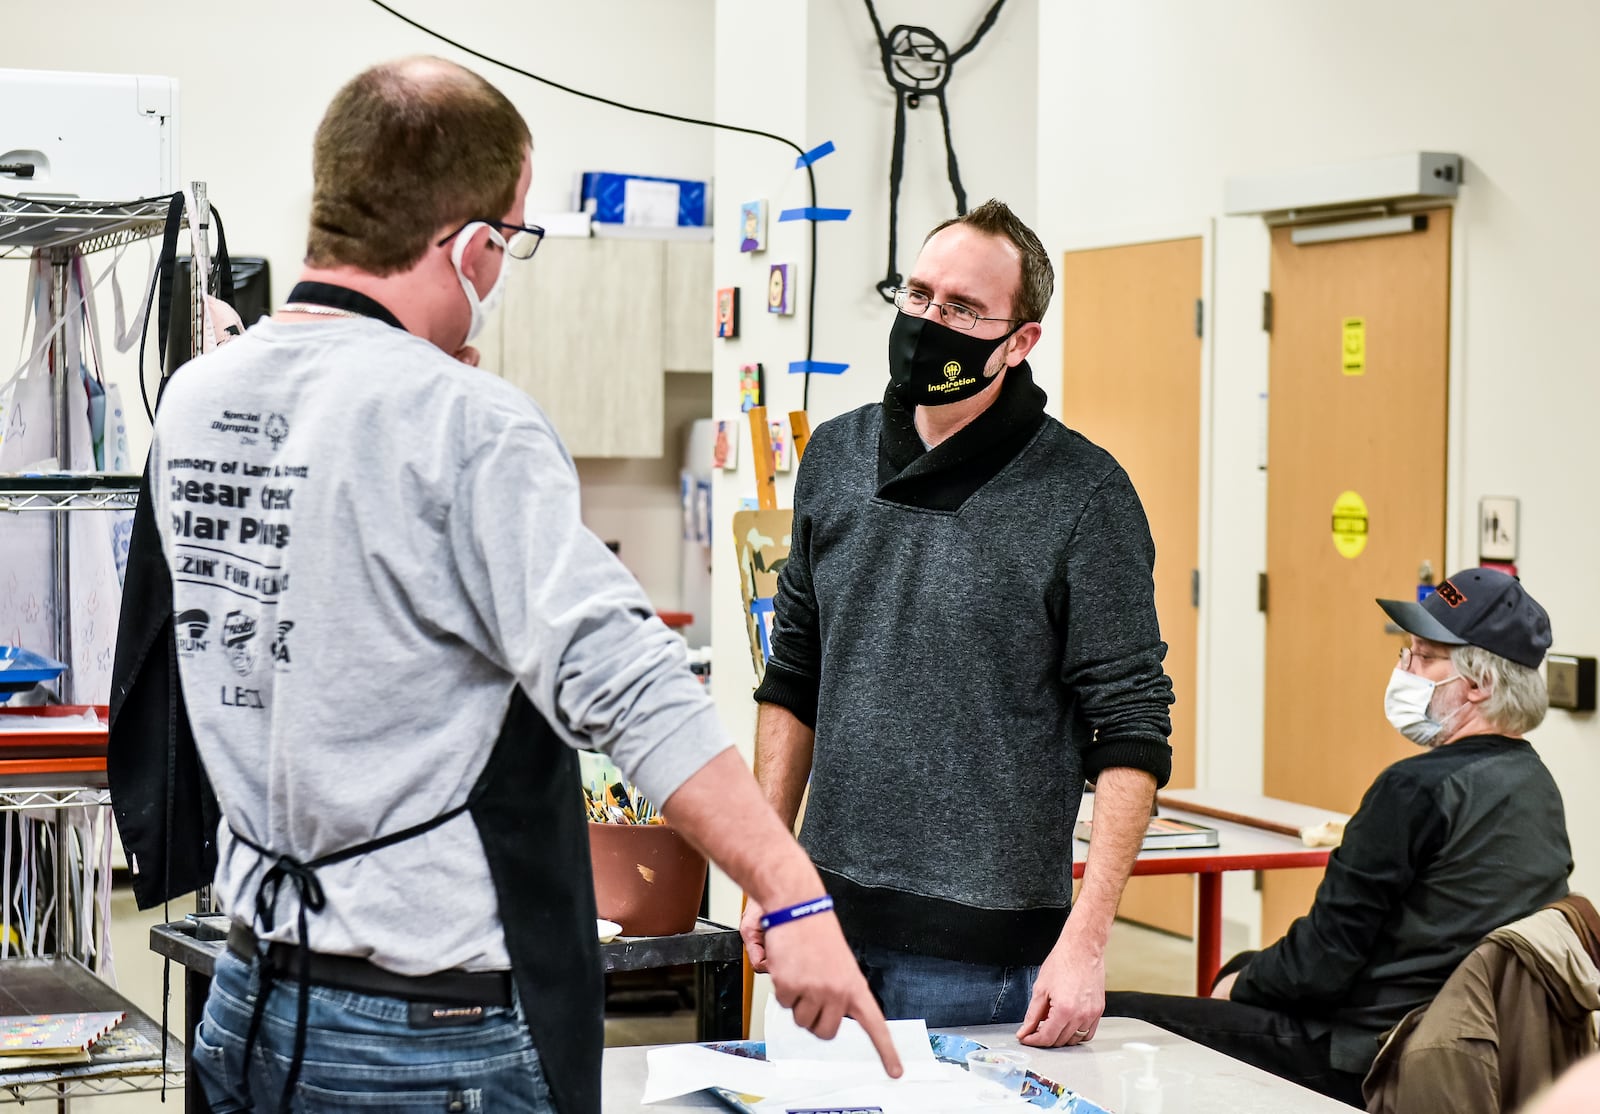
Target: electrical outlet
(1571, 682)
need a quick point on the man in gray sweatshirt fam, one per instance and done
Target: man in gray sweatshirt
(966, 630)
(396, 631)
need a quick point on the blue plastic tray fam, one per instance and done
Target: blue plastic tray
(21, 669)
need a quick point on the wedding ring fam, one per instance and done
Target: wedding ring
(1081, 1033)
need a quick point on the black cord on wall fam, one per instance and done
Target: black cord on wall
(811, 177)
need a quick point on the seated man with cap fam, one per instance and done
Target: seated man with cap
(1446, 846)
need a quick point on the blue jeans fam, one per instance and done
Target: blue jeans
(361, 1052)
(945, 992)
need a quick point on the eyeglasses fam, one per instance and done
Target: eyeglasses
(916, 303)
(519, 240)
(1407, 656)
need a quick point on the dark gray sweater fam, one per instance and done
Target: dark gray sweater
(972, 632)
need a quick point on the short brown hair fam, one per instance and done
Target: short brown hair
(405, 149)
(1038, 277)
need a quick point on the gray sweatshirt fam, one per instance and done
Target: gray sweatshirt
(371, 544)
(972, 631)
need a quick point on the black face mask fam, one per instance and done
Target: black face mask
(933, 365)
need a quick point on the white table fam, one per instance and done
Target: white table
(1222, 1084)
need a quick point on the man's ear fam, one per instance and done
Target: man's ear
(1477, 694)
(1022, 342)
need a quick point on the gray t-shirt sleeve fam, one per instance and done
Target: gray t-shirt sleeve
(557, 610)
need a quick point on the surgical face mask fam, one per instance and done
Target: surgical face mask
(933, 365)
(481, 309)
(1408, 702)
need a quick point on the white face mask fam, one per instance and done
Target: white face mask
(1407, 702)
(481, 309)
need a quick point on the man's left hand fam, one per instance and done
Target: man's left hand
(1068, 998)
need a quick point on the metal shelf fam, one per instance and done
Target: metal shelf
(24, 798)
(126, 1060)
(62, 229)
(96, 492)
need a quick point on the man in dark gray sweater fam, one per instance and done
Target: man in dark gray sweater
(966, 630)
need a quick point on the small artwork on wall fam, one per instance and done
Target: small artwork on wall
(728, 312)
(725, 444)
(782, 446)
(753, 226)
(780, 288)
(752, 384)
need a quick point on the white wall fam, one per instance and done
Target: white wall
(1145, 110)
(255, 80)
(826, 83)
(635, 501)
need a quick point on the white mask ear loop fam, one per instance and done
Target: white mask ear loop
(480, 308)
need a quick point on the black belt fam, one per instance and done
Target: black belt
(345, 972)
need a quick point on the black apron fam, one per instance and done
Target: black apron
(535, 838)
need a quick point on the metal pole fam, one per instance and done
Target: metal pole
(199, 267)
(61, 444)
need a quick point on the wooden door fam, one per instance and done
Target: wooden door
(1131, 384)
(1357, 403)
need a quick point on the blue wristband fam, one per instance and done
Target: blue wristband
(823, 904)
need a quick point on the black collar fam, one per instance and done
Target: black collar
(946, 476)
(342, 297)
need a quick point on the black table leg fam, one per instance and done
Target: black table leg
(721, 1001)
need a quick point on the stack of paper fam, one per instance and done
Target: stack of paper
(40, 1040)
(802, 1070)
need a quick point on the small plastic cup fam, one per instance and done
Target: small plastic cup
(1169, 1096)
(1004, 1066)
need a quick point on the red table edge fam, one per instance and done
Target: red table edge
(1209, 872)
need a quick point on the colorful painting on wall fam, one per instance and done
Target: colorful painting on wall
(728, 312)
(725, 444)
(780, 288)
(782, 446)
(753, 226)
(752, 387)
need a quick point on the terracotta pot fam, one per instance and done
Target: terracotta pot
(647, 878)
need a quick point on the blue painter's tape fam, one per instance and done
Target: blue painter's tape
(814, 214)
(821, 151)
(815, 367)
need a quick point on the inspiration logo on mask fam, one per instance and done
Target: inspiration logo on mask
(952, 380)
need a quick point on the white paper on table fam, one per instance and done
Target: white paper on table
(682, 1069)
(940, 1088)
(787, 1041)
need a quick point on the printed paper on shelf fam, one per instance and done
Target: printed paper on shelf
(46, 1034)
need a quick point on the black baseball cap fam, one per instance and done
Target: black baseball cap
(1479, 607)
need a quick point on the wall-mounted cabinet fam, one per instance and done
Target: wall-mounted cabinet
(590, 327)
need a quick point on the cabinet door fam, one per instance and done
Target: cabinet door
(581, 331)
(689, 321)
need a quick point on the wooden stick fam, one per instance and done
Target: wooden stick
(799, 432)
(1215, 813)
(761, 453)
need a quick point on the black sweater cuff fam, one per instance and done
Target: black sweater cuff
(1153, 756)
(794, 691)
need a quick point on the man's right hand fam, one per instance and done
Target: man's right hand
(815, 974)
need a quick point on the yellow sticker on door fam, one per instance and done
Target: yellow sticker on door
(1349, 524)
(1355, 346)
